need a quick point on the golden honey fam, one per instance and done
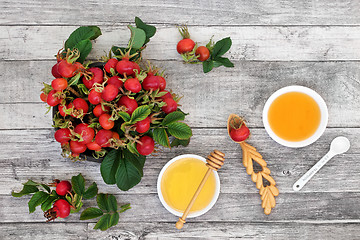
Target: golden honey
(181, 180)
(294, 116)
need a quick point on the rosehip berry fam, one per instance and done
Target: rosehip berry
(110, 92)
(111, 64)
(103, 136)
(129, 103)
(94, 97)
(86, 132)
(170, 106)
(116, 81)
(63, 187)
(105, 121)
(77, 147)
(62, 135)
(98, 111)
(143, 126)
(146, 146)
(62, 208)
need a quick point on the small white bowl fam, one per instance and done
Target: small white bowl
(193, 214)
(323, 112)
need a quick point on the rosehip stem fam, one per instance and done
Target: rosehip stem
(74, 92)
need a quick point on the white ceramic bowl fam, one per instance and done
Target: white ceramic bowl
(323, 111)
(193, 214)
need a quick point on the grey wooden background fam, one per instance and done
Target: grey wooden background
(275, 44)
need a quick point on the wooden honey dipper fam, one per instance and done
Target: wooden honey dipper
(214, 162)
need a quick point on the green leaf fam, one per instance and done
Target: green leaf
(140, 114)
(84, 48)
(46, 205)
(221, 47)
(37, 199)
(130, 170)
(112, 203)
(82, 33)
(177, 142)
(208, 66)
(224, 61)
(91, 213)
(148, 29)
(102, 202)
(91, 191)
(179, 130)
(27, 189)
(125, 116)
(78, 184)
(114, 219)
(110, 165)
(46, 187)
(97, 32)
(173, 117)
(138, 37)
(103, 222)
(161, 137)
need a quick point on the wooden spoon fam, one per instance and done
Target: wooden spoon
(250, 154)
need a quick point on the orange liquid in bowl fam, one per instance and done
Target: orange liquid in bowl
(294, 116)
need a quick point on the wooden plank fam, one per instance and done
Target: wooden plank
(230, 207)
(207, 13)
(41, 231)
(210, 98)
(34, 154)
(261, 43)
(199, 230)
(225, 230)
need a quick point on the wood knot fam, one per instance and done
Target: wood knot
(215, 160)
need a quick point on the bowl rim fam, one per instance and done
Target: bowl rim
(193, 214)
(323, 111)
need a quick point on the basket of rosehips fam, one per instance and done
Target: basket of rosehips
(116, 110)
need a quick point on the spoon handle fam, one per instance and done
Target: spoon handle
(299, 184)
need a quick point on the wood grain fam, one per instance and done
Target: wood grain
(34, 154)
(230, 207)
(210, 98)
(212, 230)
(249, 12)
(260, 43)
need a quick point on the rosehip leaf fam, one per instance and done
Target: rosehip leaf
(208, 66)
(103, 222)
(179, 130)
(221, 47)
(224, 61)
(91, 191)
(27, 189)
(46, 205)
(173, 117)
(82, 33)
(112, 203)
(37, 199)
(114, 219)
(91, 213)
(84, 48)
(125, 116)
(130, 170)
(138, 37)
(78, 184)
(102, 202)
(148, 29)
(161, 137)
(110, 165)
(132, 148)
(140, 114)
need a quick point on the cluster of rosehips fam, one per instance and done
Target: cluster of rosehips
(89, 116)
(61, 207)
(186, 47)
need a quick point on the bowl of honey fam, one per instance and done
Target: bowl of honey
(295, 116)
(179, 180)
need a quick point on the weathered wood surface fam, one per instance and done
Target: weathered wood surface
(35, 154)
(249, 12)
(243, 90)
(275, 44)
(166, 231)
(265, 43)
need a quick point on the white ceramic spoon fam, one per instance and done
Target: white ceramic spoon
(338, 145)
